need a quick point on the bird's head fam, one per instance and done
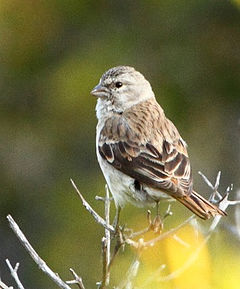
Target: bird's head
(120, 88)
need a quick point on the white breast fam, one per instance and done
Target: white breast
(118, 183)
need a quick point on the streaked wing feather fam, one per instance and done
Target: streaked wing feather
(147, 166)
(145, 145)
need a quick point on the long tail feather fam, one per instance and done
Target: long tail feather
(200, 206)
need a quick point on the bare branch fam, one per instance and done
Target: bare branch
(95, 215)
(106, 242)
(14, 273)
(105, 274)
(131, 274)
(152, 242)
(206, 180)
(77, 280)
(215, 194)
(41, 264)
(217, 182)
(222, 200)
(122, 239)
(4, 286)
(107, 234)
(153, 276)
(223, 204)
(120, 242)
(181, 241)
(138, 233)
(99, 198)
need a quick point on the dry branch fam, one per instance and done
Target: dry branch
(77, 280)
(38, 260)
(95, 215)
(14, 274)
(4, 286)
(121, 240)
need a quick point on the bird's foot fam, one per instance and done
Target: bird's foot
(155, 225)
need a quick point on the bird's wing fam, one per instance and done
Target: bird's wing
(163, 165)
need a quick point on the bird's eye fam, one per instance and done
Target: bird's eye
(118, 84)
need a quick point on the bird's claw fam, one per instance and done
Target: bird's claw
(155, 225)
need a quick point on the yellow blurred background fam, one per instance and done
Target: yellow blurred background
(52, 53)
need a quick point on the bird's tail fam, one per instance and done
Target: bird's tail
(200, 206)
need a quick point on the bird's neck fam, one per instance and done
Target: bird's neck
(105, 109)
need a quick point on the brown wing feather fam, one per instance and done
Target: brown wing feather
(154, 156)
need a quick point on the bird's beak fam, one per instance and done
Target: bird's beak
(100, 91)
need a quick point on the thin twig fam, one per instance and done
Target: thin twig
(107, 234)
(99, 198)
(181, 241)
(119, 243)
(206, 180)
(223, 205)
(105, 272)
(4, 286)
(141, 232)
(152, 242)
(41, 264)
(14, 273)
(131, 274)
(217, 182)
(153, 276)
(106, 243)
(215, 194)
(95, 215)
(77, 280)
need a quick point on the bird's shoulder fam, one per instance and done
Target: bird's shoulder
(143, 123)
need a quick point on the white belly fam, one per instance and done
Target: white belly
(123, 189)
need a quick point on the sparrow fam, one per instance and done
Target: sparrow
(141, 153)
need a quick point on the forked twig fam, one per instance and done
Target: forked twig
(14, 273)
(37, 259)
(152, 242)
(77, 280)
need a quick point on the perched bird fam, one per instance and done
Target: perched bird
(140, 151)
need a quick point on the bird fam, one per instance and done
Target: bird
(140, 151)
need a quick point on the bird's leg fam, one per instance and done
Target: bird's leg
(157, 223)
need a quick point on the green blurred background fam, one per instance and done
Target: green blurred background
(52, 53)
